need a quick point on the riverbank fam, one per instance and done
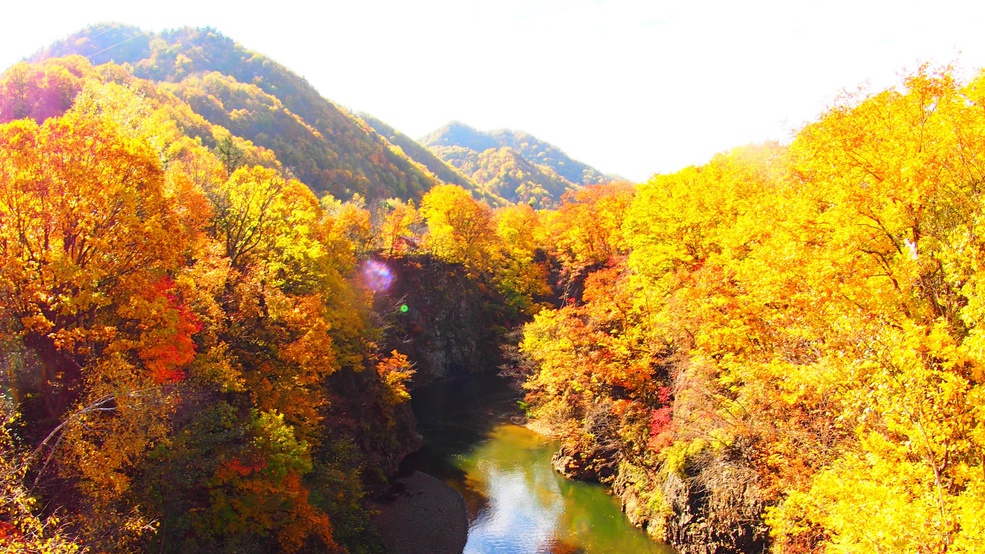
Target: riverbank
(630, 485)
(537, 426)
(422, 515)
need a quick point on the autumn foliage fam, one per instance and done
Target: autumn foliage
(171, 314)
(190, 361)
(808, 314)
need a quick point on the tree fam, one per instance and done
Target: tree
(86, 232)
(520, 275)
(586, 230)
(40, 91)
(395, 232)
(459, 227)
(22, 529)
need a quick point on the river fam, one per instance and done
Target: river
(516, 503)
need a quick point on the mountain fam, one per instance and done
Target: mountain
(505, 173)
(261, 101)
(513, 164)
(439, 167)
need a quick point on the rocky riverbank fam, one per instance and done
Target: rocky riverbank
(711, 505)
(422, 515)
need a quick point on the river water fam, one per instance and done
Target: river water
(516, 503)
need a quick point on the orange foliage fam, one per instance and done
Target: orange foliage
(394, 371)
(168, 347)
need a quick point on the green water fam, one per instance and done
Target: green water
(516, 502)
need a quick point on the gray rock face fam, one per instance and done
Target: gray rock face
(453, 325)
(714, 507)
(597, 465)
(565, 463)
(630, 486)
(410, 441)
(717, 507)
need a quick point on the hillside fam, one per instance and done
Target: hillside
(440, 168)
(261, 101)
(193, 343)
(544, 174)
(504, 172)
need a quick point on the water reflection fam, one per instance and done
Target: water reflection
(532, 509)
(516, 503)
(513, 521)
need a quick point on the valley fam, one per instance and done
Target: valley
(232, 312)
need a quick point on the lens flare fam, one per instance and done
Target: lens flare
(377, 275)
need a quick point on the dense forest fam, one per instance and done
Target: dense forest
(441, 169)
(199, 354)
(529, 147)
(180, 333)
(781, 348)
(205, 348)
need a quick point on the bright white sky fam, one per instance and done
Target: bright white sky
(630, 87)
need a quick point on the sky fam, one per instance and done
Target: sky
(632, 88)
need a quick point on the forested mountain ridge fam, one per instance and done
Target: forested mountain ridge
(262, 101)
(439, 167)
(530, 147)
(525, 169)
(325, 146)
(504, 172)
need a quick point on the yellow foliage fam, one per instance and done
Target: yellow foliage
(395, 370)
(459, 227)
(822, 301)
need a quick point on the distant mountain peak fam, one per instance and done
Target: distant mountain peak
(514, 164)
(457, 133)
